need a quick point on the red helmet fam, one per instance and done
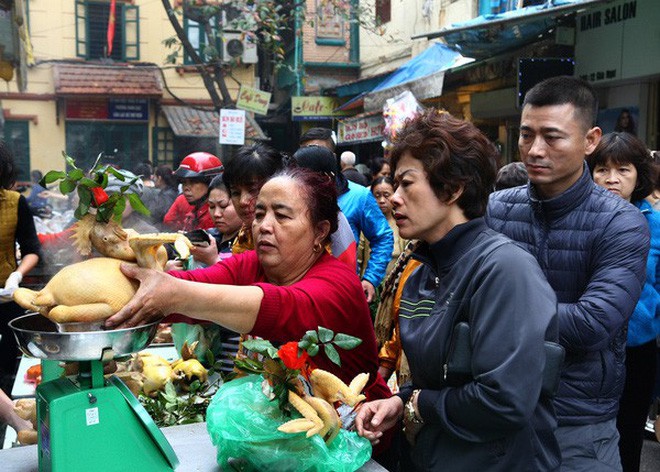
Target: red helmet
(199, 165)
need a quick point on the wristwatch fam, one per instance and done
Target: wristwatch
(411, 414)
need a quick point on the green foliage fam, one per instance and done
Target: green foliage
(260, 346)
(86, 184)
(282, 378)
(264, 22)
(313, 341)
(171, 408)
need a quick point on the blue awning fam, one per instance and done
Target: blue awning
(434, 59)
(423, 75)
(360, 86)
(488, 35)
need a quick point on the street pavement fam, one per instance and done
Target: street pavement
(650, 456)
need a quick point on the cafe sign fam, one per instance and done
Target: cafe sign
(254, 100)
(314, 108)
(362, 130)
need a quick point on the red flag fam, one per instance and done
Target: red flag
(111, 26)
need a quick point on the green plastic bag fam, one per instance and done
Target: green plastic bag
(243, 425)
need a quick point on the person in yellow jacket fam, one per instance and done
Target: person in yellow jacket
(16, 227)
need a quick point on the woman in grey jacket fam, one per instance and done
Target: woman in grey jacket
(494, 416)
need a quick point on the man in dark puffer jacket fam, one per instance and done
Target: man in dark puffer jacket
(592, 247)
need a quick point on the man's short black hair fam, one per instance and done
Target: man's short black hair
(513, 174)
(320, 134)
(565, 89)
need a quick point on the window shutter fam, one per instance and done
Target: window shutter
(81, 28)
(131, 32)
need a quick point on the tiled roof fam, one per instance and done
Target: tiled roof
(191, 122)
(98, 80)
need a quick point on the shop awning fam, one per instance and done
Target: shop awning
(423, 75)
(77, 80)
(192, 122)
(360, 86)
(488, 35)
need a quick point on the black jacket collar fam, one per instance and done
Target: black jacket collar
(565, 202)
(442, 254)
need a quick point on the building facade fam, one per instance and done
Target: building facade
(128, 106)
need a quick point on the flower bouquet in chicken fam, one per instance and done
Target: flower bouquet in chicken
(95, 289)
(287, 414)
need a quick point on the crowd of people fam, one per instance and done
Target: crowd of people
(518, 308)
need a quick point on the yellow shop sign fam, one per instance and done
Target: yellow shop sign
(314, 108)
(254, 100)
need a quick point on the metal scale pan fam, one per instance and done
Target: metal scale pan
(39, 337)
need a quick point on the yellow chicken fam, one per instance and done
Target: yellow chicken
(87, 291)
(156, 370)
(319, 415)
(96, 289)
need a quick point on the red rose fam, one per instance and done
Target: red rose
(99, 195)
(289, 355)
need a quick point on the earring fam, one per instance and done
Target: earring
(317, 247)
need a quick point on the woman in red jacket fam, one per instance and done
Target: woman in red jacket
(288, 285)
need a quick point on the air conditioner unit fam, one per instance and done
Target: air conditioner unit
(236, 44)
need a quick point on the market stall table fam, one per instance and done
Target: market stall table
(23, 389)
(191, 443)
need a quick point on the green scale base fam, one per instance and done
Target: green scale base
(100, 427)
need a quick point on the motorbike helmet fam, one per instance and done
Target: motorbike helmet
(199, 165)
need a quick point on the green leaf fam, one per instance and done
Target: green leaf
(67, 186)
(69, 160)
(85, 199)
(137, 205)
(332, 354)
(313, 350)
(170, 392)
(119, 208)
(79, 213)
(304, 344)
(104, 213)
(87, 182)
(346, 341)
(311, 336)
(325, 335)
(115, 172)
(210, 358)
(76, 174)
(52, 176)
(261, 346)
